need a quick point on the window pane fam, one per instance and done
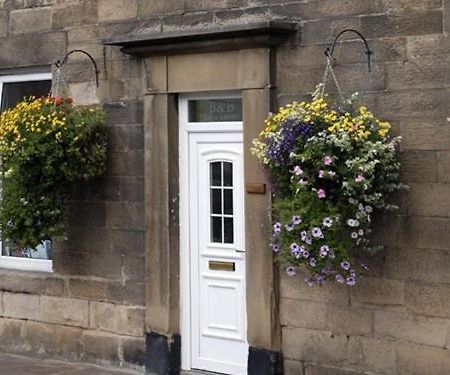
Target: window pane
(216, 201)
(216, 229)
(227, 174)
(42, 251)
(228, 201)
(14, 92)
(216, 174)
(228, 230)
(215, 110)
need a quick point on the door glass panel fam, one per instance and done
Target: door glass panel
(228, 230)
(227, 174)
(216, 200)
(221, 202)
(216, 229)
(228, 201)
(215, 110)
(216, 174)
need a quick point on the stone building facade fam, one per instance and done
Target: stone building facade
(114, 293)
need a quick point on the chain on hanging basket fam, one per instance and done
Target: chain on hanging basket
(332, 165)
(46, 146)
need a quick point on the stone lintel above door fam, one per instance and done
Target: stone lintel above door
(211, 38)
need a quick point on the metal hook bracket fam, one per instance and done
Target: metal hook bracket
(331, 47)
(62, 62)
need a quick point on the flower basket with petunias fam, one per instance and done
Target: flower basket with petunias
(46, 146)
(332, 165)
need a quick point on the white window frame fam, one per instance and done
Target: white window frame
(6, 261)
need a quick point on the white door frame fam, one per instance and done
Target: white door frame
(186, 128)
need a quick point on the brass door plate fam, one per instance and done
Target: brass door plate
(255, 188)
(222, 266)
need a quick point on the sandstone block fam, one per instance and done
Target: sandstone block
(426, 199)
(419, 166)
(377, 291)
(312, 345)
(418, 23)
(428, 299)
(100, 345)
(319, 31)
(30, 21)
(67, 311)
(133, 350)
(128, 241)
(88, 289)
(405, 6)
(115, 10)
(295, 287)
(53, 340)
(444, 166)
(21, 306)
(78, 13)
(126, 138)
(31, 283)
(124, 113)
(372, 354)
(117, 318)
(132, 293)
(10, 332)
(150, 8)
(129, 215)
(3, 23)
(420, 359)
(316, 369)
(293, 367)
(425, 232)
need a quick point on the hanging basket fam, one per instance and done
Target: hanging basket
(333, 165)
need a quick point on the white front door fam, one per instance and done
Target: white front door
(212, 238)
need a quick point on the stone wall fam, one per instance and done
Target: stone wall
(397, 321)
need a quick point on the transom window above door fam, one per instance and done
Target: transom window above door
(221, 198)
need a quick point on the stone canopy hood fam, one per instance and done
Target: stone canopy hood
(213, 38)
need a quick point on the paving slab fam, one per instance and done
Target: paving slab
(20, 365)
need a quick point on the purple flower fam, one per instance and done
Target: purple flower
(327, 160)
(298, 170)
(327, 222)
(319, 279)
(303, 235)
(303, 182)
(312, 262)
(351, 281)
(275, 247)
(289, 227)
(368, 209)
(321, 194)
(326, 270)
(359, 178)
(340, 279)
(317, 232)
(290, 271)
(305, 254)
(331, 173)
(352, 273)
(345, 265)
(277, 228)
(294, 247)
(296, 219)
(324, 251)
(321, 174)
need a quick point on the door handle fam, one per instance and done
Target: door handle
(240, 251)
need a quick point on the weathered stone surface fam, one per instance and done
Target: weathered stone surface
(420, 359)
(312, 345)
(100, 345)
(128, 215)
(315, 369)
(372, 353)
(444, 166)
(3, 23)
(411, 24)
(378, 291)
(420, 166)
(116, 10)
(88, 289)
(21, 306)
(78, 13)
(293, 367)
(35, 283)
(151, 8)
(416, 329)
(53, 340)
(10, 332)
(426, 199)
(67, 311)
(428, 299)
(133, 350)
(117, 318)
(30, 21)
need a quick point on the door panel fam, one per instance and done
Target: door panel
(217, 260)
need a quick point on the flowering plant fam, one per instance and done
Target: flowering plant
(331, 166)
(46, 145)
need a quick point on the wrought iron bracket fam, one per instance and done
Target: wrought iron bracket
(331, 47)
(60, 63)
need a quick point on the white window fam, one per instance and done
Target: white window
(13, 88)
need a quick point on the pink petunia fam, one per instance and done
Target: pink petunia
(327, 160)
(321, 194)
(298, 170)
(359, 178)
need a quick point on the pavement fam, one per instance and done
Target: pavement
(19, 365)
